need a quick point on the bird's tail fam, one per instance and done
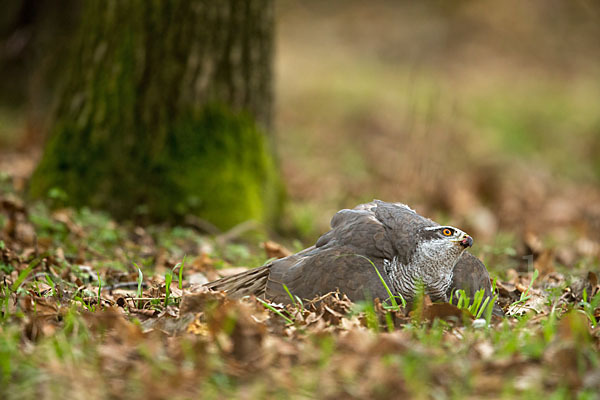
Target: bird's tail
(251, 282)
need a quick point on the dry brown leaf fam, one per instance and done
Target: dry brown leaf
(533, 242)
(197, 301)
(65, 216)
(445, 311)
(197, 327)
(544, 262)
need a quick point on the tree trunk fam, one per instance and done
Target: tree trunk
(165, 110)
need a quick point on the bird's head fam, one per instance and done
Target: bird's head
(443, 243)
(450, 234)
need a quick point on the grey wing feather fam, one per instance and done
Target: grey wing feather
(403, 226)
(471, 276)
(324, 271)
(375, 230)
(251, 282)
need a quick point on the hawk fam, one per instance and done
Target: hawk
(406, 248)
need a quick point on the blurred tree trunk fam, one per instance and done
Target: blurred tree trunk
(165, 111)
(34, 36)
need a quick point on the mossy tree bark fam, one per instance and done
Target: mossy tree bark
(165, 111)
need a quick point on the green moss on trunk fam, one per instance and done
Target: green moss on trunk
(215, 164)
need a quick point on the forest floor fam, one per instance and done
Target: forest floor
(95, 309)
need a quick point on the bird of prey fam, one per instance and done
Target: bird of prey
(406, 248)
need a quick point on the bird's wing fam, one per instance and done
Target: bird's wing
(471, 276)
(326, 269)
(340, 259)
(403, 226)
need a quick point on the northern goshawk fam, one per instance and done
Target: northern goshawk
(405, 247)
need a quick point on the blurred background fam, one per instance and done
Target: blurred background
(482, 113)
(485, 111)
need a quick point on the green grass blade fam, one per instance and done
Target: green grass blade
(391, 297)
(51, 283)
(168, 280)
(524, 295)
(140, 280)
(270, 307)
(460, 304)
(289, 294)
(477, 299)
(25, 273)
(6, 301)
(389, 322)
(99, 291)
(490, 309)
(371, 316)
(482, 308)
(387, 289)
(180, 277)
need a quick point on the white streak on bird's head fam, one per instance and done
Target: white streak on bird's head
(448, 233)
(441, 246)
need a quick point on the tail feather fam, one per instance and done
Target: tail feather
(251, 282)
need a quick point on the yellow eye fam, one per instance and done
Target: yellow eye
(447, 232)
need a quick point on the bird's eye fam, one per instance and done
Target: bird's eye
(447, 232)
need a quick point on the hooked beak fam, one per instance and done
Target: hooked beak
(464, 240)
(467, 241)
